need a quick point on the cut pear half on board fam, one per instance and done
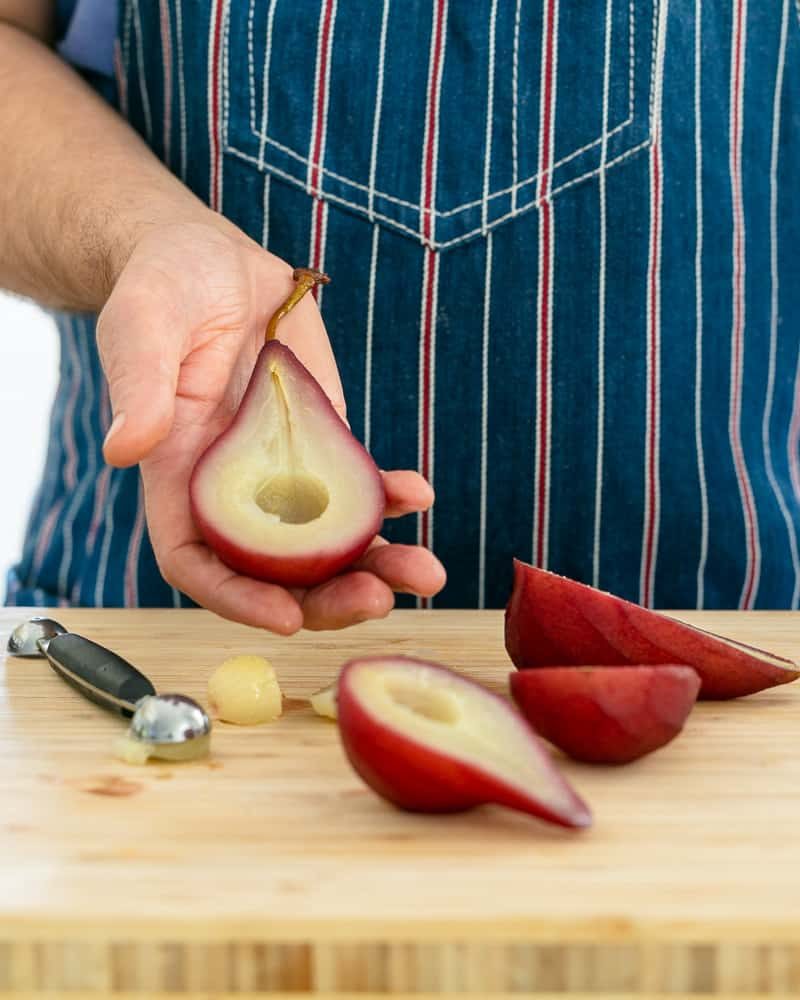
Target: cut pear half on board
(430, 740)
(606, 715)
(554, 621)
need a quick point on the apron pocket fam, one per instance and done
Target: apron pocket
(438, 119)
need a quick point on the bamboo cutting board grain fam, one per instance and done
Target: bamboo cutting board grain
(270, 870)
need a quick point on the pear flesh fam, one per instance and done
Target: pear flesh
(287, 494)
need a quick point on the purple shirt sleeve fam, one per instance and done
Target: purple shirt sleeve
(89, 39)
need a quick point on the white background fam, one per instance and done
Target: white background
(29, 365)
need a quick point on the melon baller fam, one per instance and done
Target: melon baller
(167, 726)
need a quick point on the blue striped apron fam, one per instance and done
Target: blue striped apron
(564, 243)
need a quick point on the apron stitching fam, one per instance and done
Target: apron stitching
(251, 65)
(284, 175)
(443, 245)
(415, 206)
(632, 58)
(325, 171)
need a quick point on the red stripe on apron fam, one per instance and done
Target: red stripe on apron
(215, 193)
(318, 218)
(166, 52)
(547, 115)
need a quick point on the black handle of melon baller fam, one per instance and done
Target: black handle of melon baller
(98, 674)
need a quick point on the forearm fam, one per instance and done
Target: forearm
(79, 187)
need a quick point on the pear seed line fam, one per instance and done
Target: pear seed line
(286, 447)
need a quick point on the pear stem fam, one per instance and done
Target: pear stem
(306, 278)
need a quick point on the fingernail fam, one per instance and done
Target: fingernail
(116, 424)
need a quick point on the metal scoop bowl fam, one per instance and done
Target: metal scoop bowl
(26, 637)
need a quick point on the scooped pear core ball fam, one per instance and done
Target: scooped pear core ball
(245, 691)
(286, 493)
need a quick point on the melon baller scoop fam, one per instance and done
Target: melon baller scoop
(167, 726)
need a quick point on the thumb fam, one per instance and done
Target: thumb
(140, 354)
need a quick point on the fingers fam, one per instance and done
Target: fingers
(407, 569)
(140, 353)
(345, 600)
(406, 492)
(196, 571)
(367, 591)
(184, 560)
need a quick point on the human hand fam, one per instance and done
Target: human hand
(178, 339)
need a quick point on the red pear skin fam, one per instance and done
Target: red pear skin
(296, 554)
(606, 715)
(423, 764)
(552, 620)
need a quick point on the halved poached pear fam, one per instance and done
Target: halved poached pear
(554, 621)
(430, 740)
(286, 494)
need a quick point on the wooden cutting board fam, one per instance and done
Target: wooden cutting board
(271, 870)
